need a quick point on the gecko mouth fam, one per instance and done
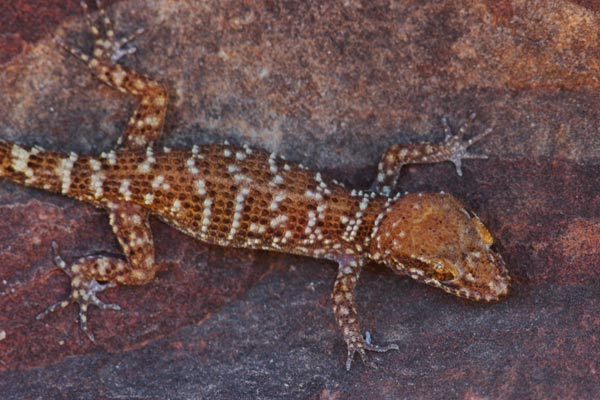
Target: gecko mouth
(465, 285)
(493, 290)
(488, 290)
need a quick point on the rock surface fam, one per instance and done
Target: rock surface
(328, 84)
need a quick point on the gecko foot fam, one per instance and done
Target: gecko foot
(360, 346)
(83, 293)
(456, 147)
(107, 47)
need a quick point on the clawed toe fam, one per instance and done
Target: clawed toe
(363, 357)
(362, 346)
(123, 47)
(83, 294)
(479, 136)
(457, 147)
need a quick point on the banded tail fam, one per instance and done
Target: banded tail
(36, 167)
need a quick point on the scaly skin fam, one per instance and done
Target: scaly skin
(247, 198)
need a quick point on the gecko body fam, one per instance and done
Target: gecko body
(241, 197)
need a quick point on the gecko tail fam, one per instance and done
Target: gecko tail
(35, 167)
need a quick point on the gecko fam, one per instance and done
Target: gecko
(247, 198)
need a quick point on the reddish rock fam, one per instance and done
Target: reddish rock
(329, 84)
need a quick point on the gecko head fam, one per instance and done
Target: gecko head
(434, 239)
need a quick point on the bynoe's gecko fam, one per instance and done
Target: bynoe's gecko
(240, 197)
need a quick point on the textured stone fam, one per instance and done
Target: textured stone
(329, 84)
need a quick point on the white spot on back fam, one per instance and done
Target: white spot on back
(124, 189)
(237, 215)
(148, 198)
(176, 206)
(200, 185)
(157, 181)
(96, 182)
(206, 213)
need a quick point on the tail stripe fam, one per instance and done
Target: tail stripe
(20, 161)
(63, 171)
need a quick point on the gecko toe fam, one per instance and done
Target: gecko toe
(352, 350)
(122, 47)
(457, 149)
(107, 47)
(363, 356)
(362, 346)
(83, 293)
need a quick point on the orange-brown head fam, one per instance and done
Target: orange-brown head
(434, 239)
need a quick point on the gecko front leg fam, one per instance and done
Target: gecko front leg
(92, 274)
(454, 148)
(347, 316)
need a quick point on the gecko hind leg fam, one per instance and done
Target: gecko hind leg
(83, 291)
(88, 275)
(346, 315)
(454, 148)
(146, 124)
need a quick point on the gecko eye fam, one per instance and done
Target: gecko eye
(443, 272)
